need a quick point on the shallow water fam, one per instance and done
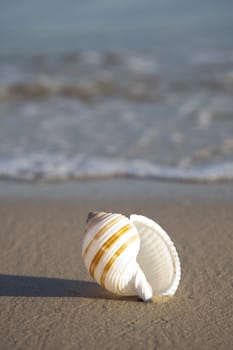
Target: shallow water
(142, 90)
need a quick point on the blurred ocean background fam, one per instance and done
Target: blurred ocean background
(105, 88)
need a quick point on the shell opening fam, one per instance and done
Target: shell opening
(157, 256)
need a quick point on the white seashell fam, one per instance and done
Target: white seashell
(130, 256)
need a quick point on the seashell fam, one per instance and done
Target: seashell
(130, 256)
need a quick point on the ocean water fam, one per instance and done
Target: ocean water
(129, 88)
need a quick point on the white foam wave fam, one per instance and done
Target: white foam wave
(60, 168)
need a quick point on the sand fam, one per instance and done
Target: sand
(48, 301)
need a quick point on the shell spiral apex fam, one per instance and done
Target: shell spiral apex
(130, 256)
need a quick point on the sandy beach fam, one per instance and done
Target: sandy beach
(48, 301)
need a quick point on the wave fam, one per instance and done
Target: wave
(90, 75)
(144, 90)
(52, 168)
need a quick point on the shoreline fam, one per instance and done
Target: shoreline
(115, 189)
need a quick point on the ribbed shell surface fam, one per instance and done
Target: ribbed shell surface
(110, 248)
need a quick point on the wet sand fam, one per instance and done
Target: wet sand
(48, 301)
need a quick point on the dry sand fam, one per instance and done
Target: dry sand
(48, 301)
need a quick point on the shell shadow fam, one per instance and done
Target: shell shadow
(31, 286)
